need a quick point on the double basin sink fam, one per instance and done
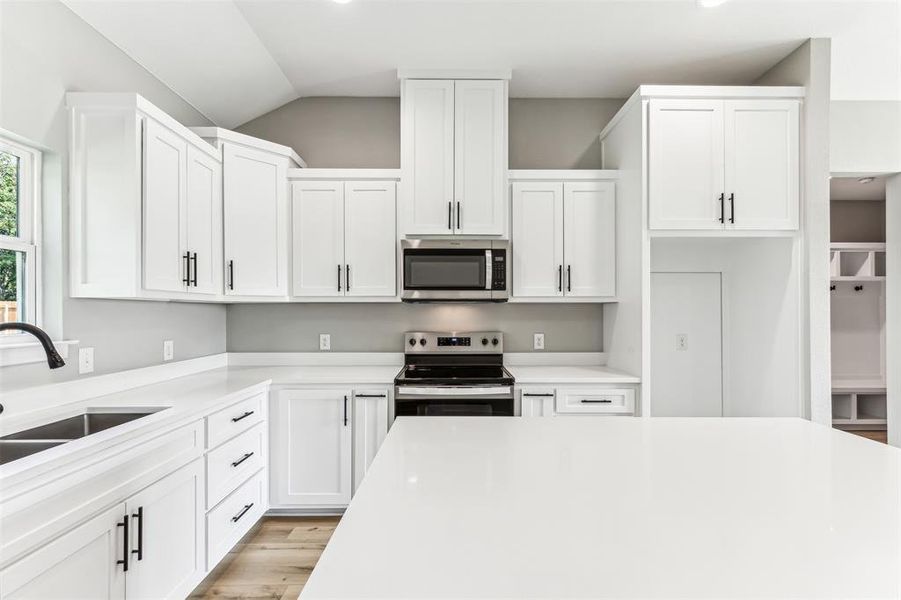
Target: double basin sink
(25, 443)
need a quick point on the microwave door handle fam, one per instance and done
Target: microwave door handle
(489, 268)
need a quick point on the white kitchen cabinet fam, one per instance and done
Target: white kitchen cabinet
(311, 447)
(564, 239)
(82, 563)
(203, 223)
(167, 536)
(344, 239)
(370, 428)
(716, 164)
(595, 401)
(537, 402)
(454, 156)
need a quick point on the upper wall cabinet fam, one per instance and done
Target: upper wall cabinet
(256, 214)
(716, 164)
(145, 203)
(344, 237)
(454, 156)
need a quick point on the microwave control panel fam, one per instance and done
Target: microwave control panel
(499, 270)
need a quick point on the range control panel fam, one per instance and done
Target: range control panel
(481, 342)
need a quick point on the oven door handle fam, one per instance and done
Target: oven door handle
(503, 390)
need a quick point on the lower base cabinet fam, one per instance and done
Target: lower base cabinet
(601, 400)
(370, 429)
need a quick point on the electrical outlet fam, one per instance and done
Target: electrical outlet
(325, 341)
(168, 350)
(85, 360)
(682, 342)
(538, 341)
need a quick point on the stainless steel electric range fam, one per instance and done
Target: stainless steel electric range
(454, 374)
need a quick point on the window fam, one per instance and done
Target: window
(19, 233)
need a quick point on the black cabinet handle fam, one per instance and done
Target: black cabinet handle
(588, 401)
(231, 274)
(459, 222)
(569, 278)
(732, 208)
(139, 517)
(244, 510)
(194, 261)
(345, 411)
(722, 208)
(242, 459)
(529, 395)
(560, 278)
(370, 395)
(347, 277)
(339, 278)
(124, 560)
(450, 212)
(187, 278)
(244, 416)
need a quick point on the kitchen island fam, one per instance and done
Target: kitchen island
(569, 507)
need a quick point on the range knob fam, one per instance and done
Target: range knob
(422, 341)
(412, 342)
(495, 342)
(484, 341)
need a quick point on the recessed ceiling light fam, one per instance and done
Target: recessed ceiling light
(710, 3)
(866, 180)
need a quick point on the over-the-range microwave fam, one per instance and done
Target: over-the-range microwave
(471, 270)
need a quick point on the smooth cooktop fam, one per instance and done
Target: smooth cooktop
(454, 374)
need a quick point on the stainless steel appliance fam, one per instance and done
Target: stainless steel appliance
(455, 270)
(454, 374)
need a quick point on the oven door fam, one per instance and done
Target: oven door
(447, 270)
(457, 401)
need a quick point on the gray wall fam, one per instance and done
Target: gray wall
(45, 51)
(371, 327)
(545, 133)
(857, 220)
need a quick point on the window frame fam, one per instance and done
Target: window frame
(28, 238)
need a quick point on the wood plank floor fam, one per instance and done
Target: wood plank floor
(878, 436)
(272, 562)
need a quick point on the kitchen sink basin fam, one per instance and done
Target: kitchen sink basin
(24, 443)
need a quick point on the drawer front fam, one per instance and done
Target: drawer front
(235, 419)
(234, 517)
(596, 401)
(229, 465)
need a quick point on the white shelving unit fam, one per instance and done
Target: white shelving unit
(859, 407)
(857, 261)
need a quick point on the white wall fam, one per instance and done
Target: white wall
(865, 136)
(45, 51)
(762, 351)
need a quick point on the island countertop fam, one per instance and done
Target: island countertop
(619, 508)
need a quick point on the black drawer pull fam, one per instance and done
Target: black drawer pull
(242, 459)
(194, 264)
(124, 560)
(528, 395)
(244, 416)
(370, 395)
(139, 517)
(238, 516)
(589, 401)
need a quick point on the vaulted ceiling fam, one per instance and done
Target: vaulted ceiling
(235, 60)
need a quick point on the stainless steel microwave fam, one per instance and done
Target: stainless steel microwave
(472, 270)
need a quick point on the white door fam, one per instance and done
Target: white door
(762, 164)
(167, 535)
(537, 239)
(685, 164)
(370, 429)
(589, 238)
(256, 222)
(318, 216)
(203, 222)
(165, 265)
(311, 448)
(370, 239)
(79, 565)
(427, 156)
(480, 156)
(686, 345)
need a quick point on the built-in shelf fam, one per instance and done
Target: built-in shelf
(857, 261)
(859, 409)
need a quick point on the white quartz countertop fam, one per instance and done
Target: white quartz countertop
(570, 507)
(574, 374)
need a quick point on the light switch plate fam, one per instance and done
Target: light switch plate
(325, 341)
(85, 360)
(538, 341)
(168, 350)
(682, 342)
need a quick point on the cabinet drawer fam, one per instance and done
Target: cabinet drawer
(234, 517)
(597, 401)
(234, 419)
(231, 463)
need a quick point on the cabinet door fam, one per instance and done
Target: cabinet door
(311, 448)
(203, 222)
(480, 157)
(537, 402)
(370, 242)
(318, 216)
(167, 536)
(427, 157)
(81, 564)
(685, 164)
(256, 222)
(537, 239)
(165, 267)
(589, 238)
(370, 429)
(762, 172)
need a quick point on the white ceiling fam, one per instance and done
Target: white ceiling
(235, 60)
